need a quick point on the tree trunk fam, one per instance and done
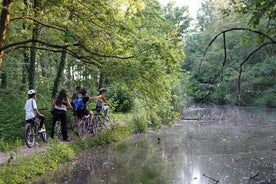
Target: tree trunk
(59, 74)
(25, 70)
(4, 80)
(33, 50)
(4, 22)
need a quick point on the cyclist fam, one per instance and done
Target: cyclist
(85, 99)
(32, 110)
(60, 105)
(100, 99)
(75, 94)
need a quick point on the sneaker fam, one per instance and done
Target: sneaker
(41, 130)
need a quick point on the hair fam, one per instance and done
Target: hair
(83, 91)
(32, 95)
(78, 88)
(61, 96)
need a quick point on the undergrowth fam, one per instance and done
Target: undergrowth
(28, 168)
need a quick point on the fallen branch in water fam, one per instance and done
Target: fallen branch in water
(217, 181)
(253, 177)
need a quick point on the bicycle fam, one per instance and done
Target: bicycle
(31, 133)
(99, 121)
(85, 127)
(74, 122)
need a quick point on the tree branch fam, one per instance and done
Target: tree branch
(228, 30)
(240, 70)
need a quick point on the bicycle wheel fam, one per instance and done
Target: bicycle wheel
(74, 122)
(82, 129)
(57, 130)
(104, 122)
(44, 134)
(29, 135)
(94, 126)
(107, 124)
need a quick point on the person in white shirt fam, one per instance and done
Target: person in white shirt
(32, 110)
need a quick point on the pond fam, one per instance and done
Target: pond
(229, 145)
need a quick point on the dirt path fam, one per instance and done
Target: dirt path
(24, 151)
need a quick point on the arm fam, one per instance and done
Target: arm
(36, 109)
(104, 99)
(94, 98)
(68, 103)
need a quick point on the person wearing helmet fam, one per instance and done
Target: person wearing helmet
(32, 110)
(100, 100)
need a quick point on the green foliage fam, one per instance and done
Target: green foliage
(12, 119)
(216, 76)
(121, 98)
(28, 168)
(257, 10)
(140, 123)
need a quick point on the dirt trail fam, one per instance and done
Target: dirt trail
(24, 151)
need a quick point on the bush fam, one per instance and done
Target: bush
(121, 98)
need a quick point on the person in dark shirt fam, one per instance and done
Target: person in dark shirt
(85, 99)
(75, 94)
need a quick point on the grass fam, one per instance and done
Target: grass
(25, 169)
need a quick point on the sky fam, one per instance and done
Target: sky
(192, 4)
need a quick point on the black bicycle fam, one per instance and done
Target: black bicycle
(100, 121)
(31, 133)
(85, 127)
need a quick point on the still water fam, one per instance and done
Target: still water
(229, 145)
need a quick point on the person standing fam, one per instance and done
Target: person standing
(60, 105)
(32, 110)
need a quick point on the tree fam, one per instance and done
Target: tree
(4, 22)
(231, 55)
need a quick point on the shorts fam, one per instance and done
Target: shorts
(82, 113)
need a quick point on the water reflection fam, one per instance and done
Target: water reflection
(228, 146)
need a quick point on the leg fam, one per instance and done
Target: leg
(54, 119)
(106, 110)
(41, 119)
(64, 126)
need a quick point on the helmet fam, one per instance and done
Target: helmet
(102, 90)
(31, 92)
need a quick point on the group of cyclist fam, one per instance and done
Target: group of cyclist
(60, 105)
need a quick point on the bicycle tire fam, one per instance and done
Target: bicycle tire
(82, 130)
(102, 122)
(94, 127)
(30, 135)
(74, 123)
(105, 122)
(44, 134)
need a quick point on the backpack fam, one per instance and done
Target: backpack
(99, 105)
(78, 104)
